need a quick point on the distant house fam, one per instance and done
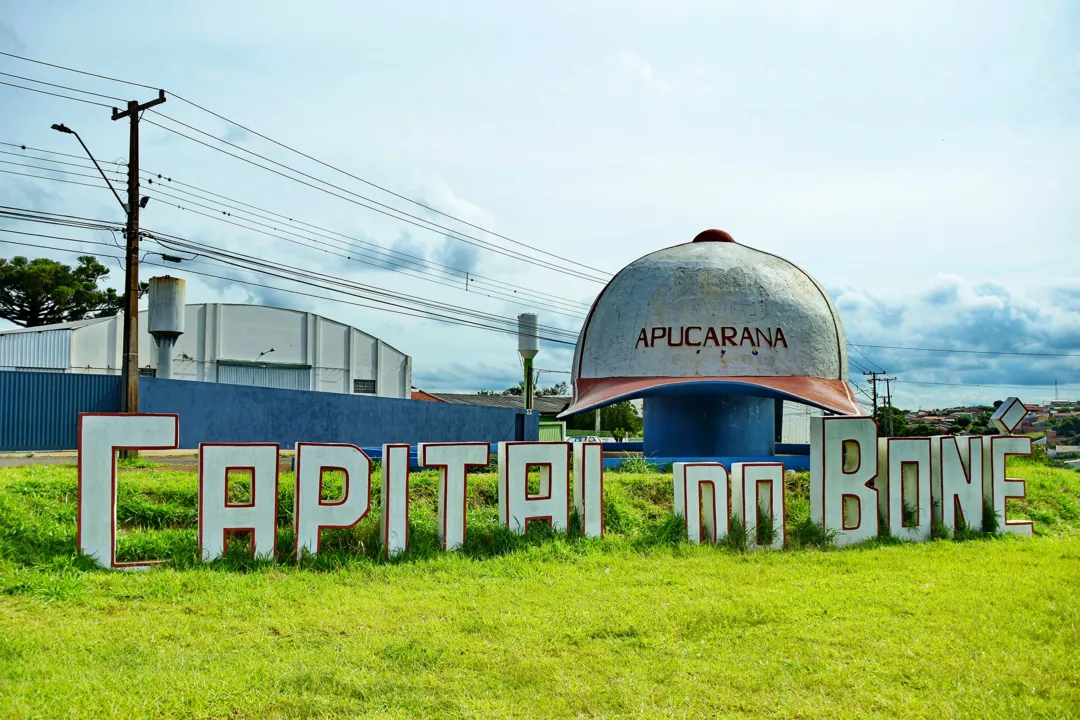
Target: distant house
(418, 394)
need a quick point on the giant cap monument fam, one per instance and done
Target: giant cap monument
(711, 334)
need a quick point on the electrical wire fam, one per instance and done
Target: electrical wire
(974, 352)
(62, 87)
(430, 227)
(354, 177)
(422, 314)
(249, 262)
(215, 217)
(382, 254)
(55, 179)
(46, 92)
(322, 232)
(452, 233)
(352, 255)
(290, 149)
(81, 72)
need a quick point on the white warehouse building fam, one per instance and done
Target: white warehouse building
(227, 343)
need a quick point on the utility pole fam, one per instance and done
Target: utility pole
(888, 404)
(873, 374)
(129, 389)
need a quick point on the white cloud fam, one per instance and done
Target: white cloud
(639, 70)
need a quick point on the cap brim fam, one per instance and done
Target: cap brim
(834, 395)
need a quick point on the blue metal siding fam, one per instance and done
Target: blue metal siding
(40, 410)
(217, 412)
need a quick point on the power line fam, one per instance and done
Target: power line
(382, 255)
(415, 221)
(247, 262)
(383, 252)
(374, 185)
(50, 160)
(54, 179)
(46, 92)
(330, 252)
(81, 72)
(62, 87)
(351, 255)
(294, 150)
(422, 314)
(973, 352)
(460, 273)
(48, 169)
(991, 385)
(308, 277)
(367, 288)
(856, 347)
(51, 152)
(453, 233)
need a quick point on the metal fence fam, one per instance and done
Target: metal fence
(40, 410)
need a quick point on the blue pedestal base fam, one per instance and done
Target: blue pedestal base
(685, 426)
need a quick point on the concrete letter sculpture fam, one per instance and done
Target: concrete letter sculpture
(100, 436)
(517, 508)
(312, 514)
(759, 486)
(903, 485)
(701, 498)
(844, 452)
(453, 461)
(218, 516)
(589, 487)
(394, 524)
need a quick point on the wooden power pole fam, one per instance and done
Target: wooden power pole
(129, 391)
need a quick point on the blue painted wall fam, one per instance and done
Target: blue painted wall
(213, 412)
(39, 410)
(709, 425)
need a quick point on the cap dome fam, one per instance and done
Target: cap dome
(712, 311)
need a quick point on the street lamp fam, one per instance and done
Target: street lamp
(129, 388)
(61, 127)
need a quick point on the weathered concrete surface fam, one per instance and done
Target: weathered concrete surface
(715, 312)
(712, 284)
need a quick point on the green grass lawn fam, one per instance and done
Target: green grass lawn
(638, 624)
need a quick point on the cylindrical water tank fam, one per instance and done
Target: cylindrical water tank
(528, 335)
(166, 307)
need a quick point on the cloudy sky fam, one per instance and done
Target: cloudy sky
(921, 159)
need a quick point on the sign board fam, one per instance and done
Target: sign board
(855, 478)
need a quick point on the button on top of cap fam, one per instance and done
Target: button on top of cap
(714, 236)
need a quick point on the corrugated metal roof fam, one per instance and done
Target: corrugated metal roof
(544, 404)
(56, 326)
(37, 348)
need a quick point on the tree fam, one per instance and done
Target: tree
(963, 421)
(623, 416)
(559, 388)
(899, 422)
(1069, 426)
(556, 389)
(921, 429)
(43, 291)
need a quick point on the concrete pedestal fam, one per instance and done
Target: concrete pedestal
(709, 426)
